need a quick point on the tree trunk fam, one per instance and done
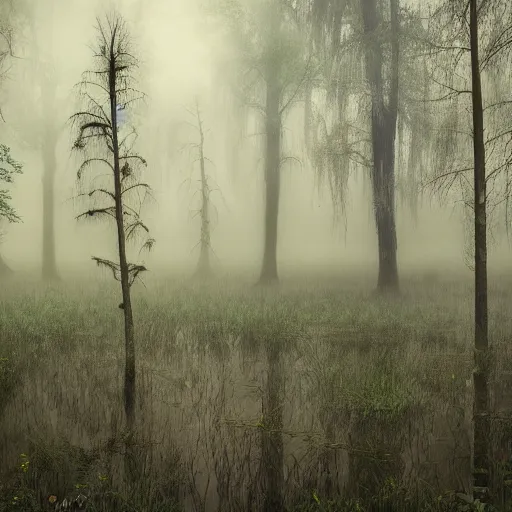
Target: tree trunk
(481, 427)
(204, 269)
(49, 267)
(272, 176)
(129, 375)
(272, 453)
(383, 121)
(48, 147)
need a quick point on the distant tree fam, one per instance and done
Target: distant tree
(271, 51)
(204, 269)
(384, 116)
(50, 127)
(370, 118)
(107, 91)
(37, 122)
(271, 71)
(360, 30)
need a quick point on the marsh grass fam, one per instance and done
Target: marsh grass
(376, 406)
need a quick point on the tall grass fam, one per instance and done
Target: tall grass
(373, 395)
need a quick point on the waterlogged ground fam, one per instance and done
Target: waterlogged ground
(376, 394)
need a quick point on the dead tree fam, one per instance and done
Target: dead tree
(107, 90)
(204, 269)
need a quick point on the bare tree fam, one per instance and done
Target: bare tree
(204, 269)
(107, 91)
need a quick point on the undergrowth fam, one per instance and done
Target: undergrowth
(374, 399)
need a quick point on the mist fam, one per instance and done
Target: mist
(177, 54)
(255, 255)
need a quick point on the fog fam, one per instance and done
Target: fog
(178, 55)
(377, 376)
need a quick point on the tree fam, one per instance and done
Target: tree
(204, 269)
(476, 38)
(270, 67)
(271, 71)
(476, 55)
(107, 91)
(47, 142)
(37, 121)
(383, 128)
(341, 34)
(481, 430)
(375, 119)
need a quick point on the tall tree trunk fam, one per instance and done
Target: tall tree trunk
(272, 452)
(49, 266)
(48, 143)
(272, 175)
(129, 375)
(204, 269)
(383, 120)
(481, 420)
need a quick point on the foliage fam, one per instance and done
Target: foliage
(45, 469)
(393, 497)
(8, 169)
(446, 41)
(253, 45)
(98, 132)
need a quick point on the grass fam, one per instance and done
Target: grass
(376, 405)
